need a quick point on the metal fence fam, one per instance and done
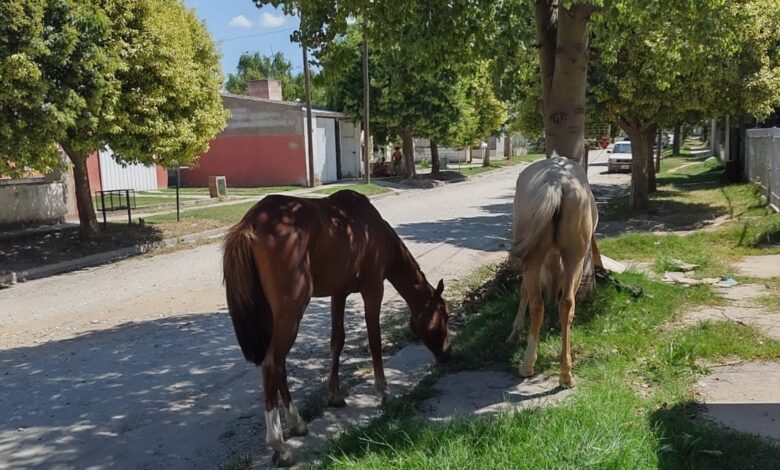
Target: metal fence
(762, 162)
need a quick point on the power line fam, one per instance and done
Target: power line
(237, 38)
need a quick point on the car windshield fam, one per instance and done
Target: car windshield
(623, 147)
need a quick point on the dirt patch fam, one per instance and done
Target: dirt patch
(745, 397)
(40, 249)
(489, 392)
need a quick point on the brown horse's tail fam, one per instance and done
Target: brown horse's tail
(249, 308)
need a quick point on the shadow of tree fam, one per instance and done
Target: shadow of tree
(39, 249)
(169, 393)
(488, 232)
(689, 441)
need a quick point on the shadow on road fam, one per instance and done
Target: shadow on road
(169, 393)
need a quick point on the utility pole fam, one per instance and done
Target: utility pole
(307, 89)
(367, 135)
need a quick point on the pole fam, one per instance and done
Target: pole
(178, 184)
(307, 89)
(366, 133)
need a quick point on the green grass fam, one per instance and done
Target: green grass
(228, 214)
(233, 191)
(633, 405)
(696, 193)
(367, 189)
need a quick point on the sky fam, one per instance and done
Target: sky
(238, 26)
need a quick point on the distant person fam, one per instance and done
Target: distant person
(397, 157)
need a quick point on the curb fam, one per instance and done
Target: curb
(8, 279)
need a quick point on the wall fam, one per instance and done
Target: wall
(263, 145)
(104, 171)
(33, 201)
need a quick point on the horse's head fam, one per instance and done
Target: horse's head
(430, 325)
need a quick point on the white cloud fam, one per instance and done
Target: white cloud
(269, 20)
(241, 21)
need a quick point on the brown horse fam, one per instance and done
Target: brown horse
(287, 250)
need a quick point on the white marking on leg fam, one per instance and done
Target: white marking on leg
(295, 420)
(273, 430)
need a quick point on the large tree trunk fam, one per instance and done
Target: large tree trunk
(408, 150)
(562, 35)
(641, 156)
(507, 145)
(434, 158)
(485, 157)
(87, 219)
(677, 140)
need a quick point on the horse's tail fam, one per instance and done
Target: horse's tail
(537, 201)
(248, 306)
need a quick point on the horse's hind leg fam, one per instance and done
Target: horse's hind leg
(335, 395)
(531, 277)
(519, 323)
(572, 275)
(288, 295)
(292, 416)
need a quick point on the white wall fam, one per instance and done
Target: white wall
(115, 176)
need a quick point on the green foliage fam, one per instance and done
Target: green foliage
(255, 66)
(142, 77)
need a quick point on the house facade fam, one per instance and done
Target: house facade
(264, 143)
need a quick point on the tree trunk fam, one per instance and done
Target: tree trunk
(87, 219)
(468, 154)
(408, 150)
(562, 35)
(640, 157)
(653, 160)
(434, 158)
(507, 145)
(485, 157)
(677, 140)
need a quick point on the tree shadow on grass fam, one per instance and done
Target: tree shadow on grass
(686, 440)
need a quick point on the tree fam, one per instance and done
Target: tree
(484, 114)
(408, 99)
(255, 66)
(667, 61)
(140, 77)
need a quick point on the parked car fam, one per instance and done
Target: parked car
(619, 157)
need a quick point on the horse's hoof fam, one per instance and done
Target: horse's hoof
(283, 458)
(526, 372)
(567, 381)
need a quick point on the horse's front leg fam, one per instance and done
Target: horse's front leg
(337, 305)
(372, 297)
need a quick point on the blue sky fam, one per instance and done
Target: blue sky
(238, 26)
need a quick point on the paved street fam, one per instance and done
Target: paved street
(135, 364)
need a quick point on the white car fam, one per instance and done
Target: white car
(619, 157)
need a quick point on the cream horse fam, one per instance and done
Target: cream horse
(554, 219)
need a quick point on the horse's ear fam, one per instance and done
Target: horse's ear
(440, 287)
